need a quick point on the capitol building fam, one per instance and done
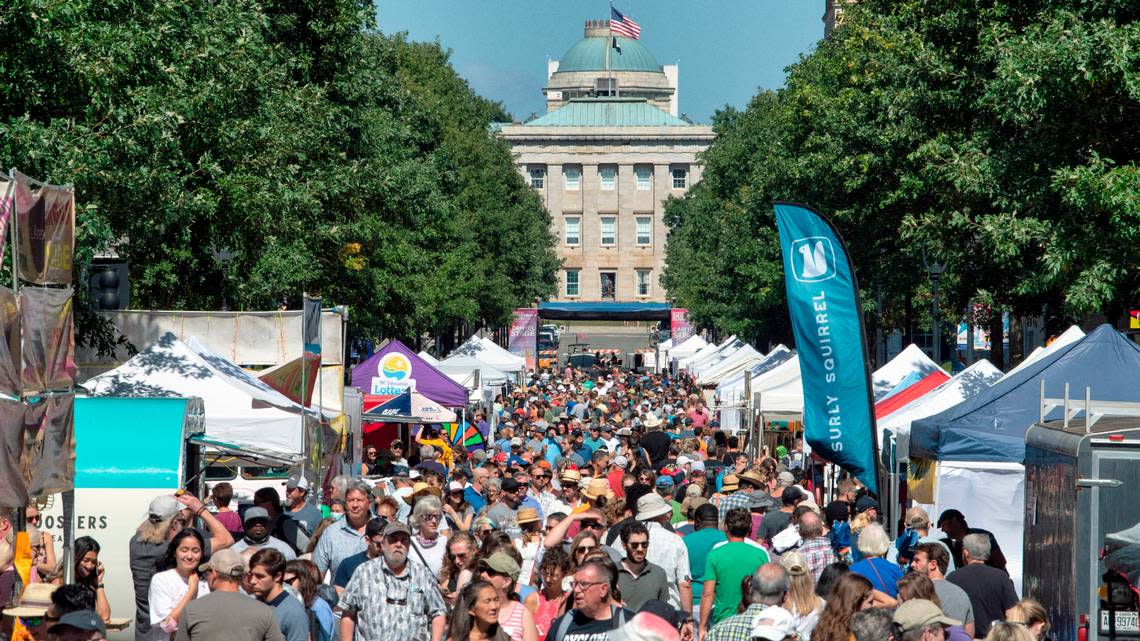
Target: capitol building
(605, 157)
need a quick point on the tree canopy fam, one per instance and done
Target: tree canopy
(997, 137)
(320, 153)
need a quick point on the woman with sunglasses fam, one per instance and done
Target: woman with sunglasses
(550, 600)
(582, 544)
(461, 548)
(428, 545)
(303, 576)
(371, 461)
(459, 514)
(501, 570)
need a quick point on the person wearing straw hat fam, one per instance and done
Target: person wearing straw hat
(921, 620)
(667, 550)
(32, 608)
(571, 493)
(529, 543)
(729, 498)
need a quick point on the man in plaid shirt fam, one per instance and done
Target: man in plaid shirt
(816, 548)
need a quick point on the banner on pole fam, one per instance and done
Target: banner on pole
(311, 325)
(45, 229)
(523, 340)
(823, 301)
(47, 346)
(7, 205)
(680, 329)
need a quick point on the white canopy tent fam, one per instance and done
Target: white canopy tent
(461, 369)
(738, 361)
(485, 350)
(1071, 335)
(965, 384)
(240, 410)
(688, 347)
(779, 382)
(431, 360)
(710, 348)
(911, 360)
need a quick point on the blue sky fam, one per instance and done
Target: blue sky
(726, 50)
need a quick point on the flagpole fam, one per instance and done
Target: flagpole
(609, 45)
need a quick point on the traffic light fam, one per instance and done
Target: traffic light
(108, 285)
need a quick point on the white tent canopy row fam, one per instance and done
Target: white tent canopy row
(1071, 335)
(738, 361)
(781, 389)
(240, 410)
(710, 355)
(964, 385)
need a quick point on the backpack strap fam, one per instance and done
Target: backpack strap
(564, 626)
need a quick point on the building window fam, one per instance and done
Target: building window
(538, 177)
(644, 177)
(680, 177)
(573, 177)
(573, 230)
(608, 175)
(643, 282)
(608, 231)
(607, 283)
(572, 282)
(644, 230)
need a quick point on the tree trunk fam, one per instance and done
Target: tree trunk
(997, 350)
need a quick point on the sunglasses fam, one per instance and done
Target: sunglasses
(289, 578)
(638, 544)
(458, 556)
(583, 549)
(34, 519)
(433, 516)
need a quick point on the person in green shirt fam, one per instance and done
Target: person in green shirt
(727, 565)
(700, 542)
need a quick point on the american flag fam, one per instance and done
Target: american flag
(623, 26)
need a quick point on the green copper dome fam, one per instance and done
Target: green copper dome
(590, 55)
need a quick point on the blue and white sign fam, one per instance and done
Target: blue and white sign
(823, 301)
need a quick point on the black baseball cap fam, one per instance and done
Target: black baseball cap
(80, 620)
(511, 485)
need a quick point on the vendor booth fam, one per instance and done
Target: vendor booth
(984, 436)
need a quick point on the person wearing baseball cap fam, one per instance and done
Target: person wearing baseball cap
(666, 487)
(257, 536)
(82, 624)
(921, 620)
(225, 609)
(167, 515)
(391, 599)
(299, 508)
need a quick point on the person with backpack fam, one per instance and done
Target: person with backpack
(593, 614)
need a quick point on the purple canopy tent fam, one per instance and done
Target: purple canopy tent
(394, 365)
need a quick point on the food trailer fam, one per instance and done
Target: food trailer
(1082, 520)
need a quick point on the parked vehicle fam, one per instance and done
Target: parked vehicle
(1082, 525)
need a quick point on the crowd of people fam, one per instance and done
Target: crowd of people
(606, 505)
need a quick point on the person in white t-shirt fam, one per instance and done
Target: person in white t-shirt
(177, 584)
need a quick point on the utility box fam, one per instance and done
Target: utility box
(1082, 522)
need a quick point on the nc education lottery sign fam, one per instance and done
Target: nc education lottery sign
(523, 340)
(823, 301)
(393, 375)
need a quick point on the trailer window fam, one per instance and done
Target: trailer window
(257, 472)
(220, 473)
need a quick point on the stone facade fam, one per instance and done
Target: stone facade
(611, 234)
(550, 151)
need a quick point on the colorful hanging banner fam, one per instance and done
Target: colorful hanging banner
(47, 348)
(523, 340)
(45, 230)
(680, 328)
(7, 204)
(823, 301)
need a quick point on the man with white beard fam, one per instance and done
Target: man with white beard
(389, 599)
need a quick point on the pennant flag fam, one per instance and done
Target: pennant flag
(287, 378)
(616, 44)
(622, 26)
(823, 301)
